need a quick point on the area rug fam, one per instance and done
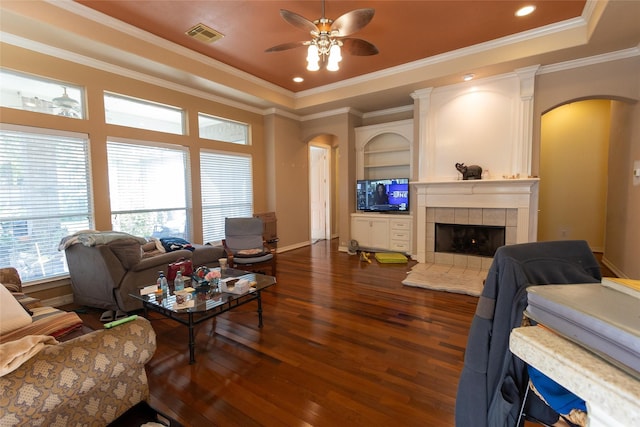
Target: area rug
(446, 278)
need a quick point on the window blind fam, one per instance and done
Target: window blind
(227, 191)
(45, 195)
(148, 189)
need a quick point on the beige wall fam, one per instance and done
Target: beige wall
(612, 80)
(289, 171)
(341, 127)
(623, 207)
(573, 172)
(618, 80)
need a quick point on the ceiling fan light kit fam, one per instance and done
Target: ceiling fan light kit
(328, 37)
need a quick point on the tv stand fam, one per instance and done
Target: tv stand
(382, 231)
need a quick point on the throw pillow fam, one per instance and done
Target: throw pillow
(12, 315)
(127, 251)
(175, 244)
(250, 253)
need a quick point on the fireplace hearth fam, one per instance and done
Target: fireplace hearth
(478, 240)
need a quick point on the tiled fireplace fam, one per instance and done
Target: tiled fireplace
(511, 203)
(506, 218)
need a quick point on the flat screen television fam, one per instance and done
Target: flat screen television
(382, 195)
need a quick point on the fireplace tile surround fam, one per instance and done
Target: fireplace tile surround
(473, 216)
(512, 203)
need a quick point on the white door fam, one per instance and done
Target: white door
(319, 192)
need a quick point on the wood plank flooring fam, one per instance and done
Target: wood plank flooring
(344, 343)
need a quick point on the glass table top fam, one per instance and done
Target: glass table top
(208, 297)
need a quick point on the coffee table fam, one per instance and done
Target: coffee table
(208, 302)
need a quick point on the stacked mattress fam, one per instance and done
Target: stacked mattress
(604, 318)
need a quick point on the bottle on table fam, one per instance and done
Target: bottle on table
(178, 282)
(163, 285)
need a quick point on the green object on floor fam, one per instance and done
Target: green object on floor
(391, 258)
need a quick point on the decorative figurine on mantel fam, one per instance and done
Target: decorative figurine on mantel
(469, 172)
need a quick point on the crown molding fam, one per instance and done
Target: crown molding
(122, 71)
(591, 60)
(280, 112)
(388, 111)
(525, 36)
(331, 113)
(122, 27)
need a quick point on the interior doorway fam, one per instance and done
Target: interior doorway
(574, 151)
(319, 190)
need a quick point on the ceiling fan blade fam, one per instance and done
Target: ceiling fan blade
(358, 47)
(352, 21)
(298, 21)
(286, 46)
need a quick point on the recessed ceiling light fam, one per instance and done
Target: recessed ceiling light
(468, 77)
(298, 79)
(525, 10)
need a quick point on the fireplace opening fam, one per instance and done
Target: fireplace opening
(480, 240)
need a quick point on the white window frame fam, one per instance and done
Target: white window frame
(226, 133)
(145, 114)
(51, 194)
(161, 198)
(227, 190)
(26, 92)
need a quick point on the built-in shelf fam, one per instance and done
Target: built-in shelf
(384, 165)
(384, 150)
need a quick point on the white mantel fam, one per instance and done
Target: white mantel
(519, 194)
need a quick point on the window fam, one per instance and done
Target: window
(227, 191)
(218, 129)
(24, 92)
(46, 195)
(148, 189)
(136, 113)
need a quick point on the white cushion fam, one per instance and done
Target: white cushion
(12, 314)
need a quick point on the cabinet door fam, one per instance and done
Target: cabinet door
(360, 231)
(379, 233)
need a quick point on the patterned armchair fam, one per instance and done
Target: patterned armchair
(90, 380)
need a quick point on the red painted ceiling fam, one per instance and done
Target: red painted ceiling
(403, 31)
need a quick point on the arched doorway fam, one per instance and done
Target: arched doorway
(574, 157)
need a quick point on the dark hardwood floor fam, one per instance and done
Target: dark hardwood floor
(344, 343)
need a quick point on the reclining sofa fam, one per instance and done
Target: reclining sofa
(105, 267)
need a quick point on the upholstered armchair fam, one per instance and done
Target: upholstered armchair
(90, 380)
(245, 247)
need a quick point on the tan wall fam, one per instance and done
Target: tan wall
(623, 220)
(618, 80)
(341, 127)
(290, 175)
(574, 152)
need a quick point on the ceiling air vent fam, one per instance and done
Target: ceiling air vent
(204, 34)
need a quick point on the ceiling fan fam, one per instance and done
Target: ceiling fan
(328, 36)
